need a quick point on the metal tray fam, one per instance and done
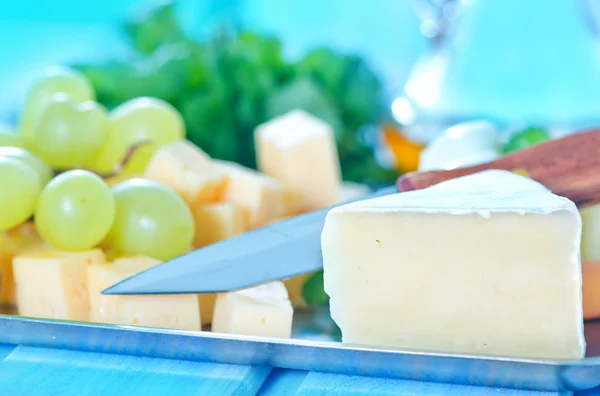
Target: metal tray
(310, 350)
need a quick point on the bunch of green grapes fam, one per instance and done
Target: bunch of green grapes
(53, 171)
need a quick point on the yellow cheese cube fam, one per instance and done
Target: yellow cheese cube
(207, 307)
(18, 240)
(295, 287)
(299, 150)
(215, 222)
(168, 311)
(262, 197)
(187, 170)
(352, 191)
(52, 284)
(264, 310)
(7, 285)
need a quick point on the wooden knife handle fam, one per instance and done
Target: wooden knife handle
(568, 166)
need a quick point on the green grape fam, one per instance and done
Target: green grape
(19, 192)
(68, 135)
(150, 220)
(9, 138)
(526, 138)
(33, 161)
(139, 120)
(55, 80)
(75, 211)
(314, 290)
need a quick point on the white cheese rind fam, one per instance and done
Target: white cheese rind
(468, 266)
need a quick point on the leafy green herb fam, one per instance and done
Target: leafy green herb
(313, 290)
(526, 138)
(228, 84)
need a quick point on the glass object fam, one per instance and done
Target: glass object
(509, 61)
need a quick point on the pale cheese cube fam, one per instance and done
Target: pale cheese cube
(179, 311)
(351, 191)
(262, 197)
(264, 310)
(187, 170)
(484, 264)
(216, 222)
(53, 284)
(299, 150)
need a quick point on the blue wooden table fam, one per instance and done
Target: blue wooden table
(43, 371)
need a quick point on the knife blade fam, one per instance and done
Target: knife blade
(569, 166)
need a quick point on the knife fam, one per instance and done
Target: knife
(568, 166)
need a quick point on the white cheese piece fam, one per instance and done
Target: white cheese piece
(299, 150)
(262, 197)
(187, 170)
(264, 310)
(483, 264)
(52, 284)
(179, 311)
(462, 145)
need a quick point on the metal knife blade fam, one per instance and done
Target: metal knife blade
(279, 251)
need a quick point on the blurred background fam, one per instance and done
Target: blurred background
(390, 75)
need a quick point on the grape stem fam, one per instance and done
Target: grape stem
(121, 166)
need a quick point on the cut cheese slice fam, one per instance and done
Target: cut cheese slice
(179, 311)
(188, 170)
(264, 310)
(216, 222)
(52, 284)
(263, 198)
(484, 264)
(299, 150)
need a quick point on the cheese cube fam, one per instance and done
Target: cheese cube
(179, 311)
(18, 240)
(591, 289)
(216, 222)
(264, 310)
(262, 197)
(590, 237)
(187, 170)
(295, 289)
(351, 191)
(52, 284)
(299, 150)
(207, 307)
(7, 284)
(484, 264)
